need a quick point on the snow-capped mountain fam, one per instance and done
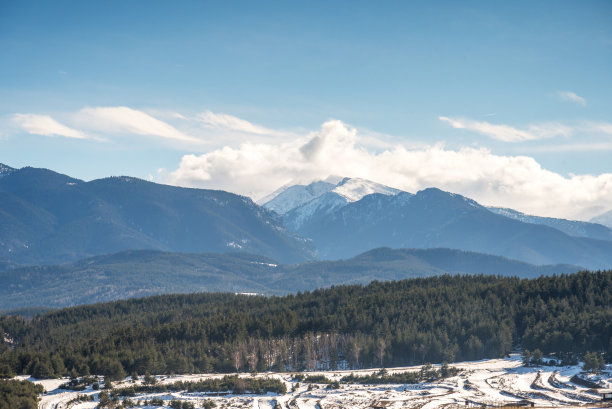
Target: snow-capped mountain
(570, 227)
(325, 204)
(354, 189)
(288, 198)
(357, 215)
(300, 203)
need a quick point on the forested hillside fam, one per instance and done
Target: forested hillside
(445, 318)
(142, 273)
(47, 218)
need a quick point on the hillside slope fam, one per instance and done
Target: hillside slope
(147, 272)
(49, 218)
(407, 322)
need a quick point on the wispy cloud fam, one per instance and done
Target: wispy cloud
(509, 181)
(599, 127)
(232, 123)
(574, 147)
(46, 126)
(205, 129)
(125, 120)
(571, 97)
(507, 133)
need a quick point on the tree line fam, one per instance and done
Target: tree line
(383, 324)
(19, 394)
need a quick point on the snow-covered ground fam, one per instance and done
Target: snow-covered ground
(494, 382)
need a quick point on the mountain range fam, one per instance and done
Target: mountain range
(356, 215)
(47, 218)
(64, 241)
(139, 273)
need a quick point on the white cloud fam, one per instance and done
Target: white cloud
(206, 129)
(574, 147)
(231, 123)
(571, 97)
(129, 121)
(508, 133)
(45, 125)
(599, 127)
(510, 181)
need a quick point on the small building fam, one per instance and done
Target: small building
(606, 394)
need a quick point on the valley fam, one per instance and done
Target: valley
(305, 205)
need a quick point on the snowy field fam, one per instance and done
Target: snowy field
(495, 382)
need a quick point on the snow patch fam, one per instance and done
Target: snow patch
(233, 245)
(354, 189)
(493, 382)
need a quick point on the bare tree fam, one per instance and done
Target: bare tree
(380, 350)
(354, 350)
(252, 354)
(238, 357)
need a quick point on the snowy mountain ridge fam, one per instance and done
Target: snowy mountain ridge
(325, 204)
(301, 202)
(290, 197)
(574, 228)
(5, 170)
(287, 198)
(356, 215)
(354, 189)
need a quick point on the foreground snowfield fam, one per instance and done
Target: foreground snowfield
(494, 382)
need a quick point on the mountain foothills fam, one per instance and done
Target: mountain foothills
(434, 319)
(355, 215)
(48, 218)
(138, 273)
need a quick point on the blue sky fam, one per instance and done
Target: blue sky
(506, 102)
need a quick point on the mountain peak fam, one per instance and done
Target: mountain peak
(435, 194)
(291, 197)
(294, 196)
(354, 189)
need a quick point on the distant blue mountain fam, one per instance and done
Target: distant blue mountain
(138, 273)
(47, 217)
(342, 228)
(572, 227)
(604, 218)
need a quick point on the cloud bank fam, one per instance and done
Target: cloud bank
(510, 181)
